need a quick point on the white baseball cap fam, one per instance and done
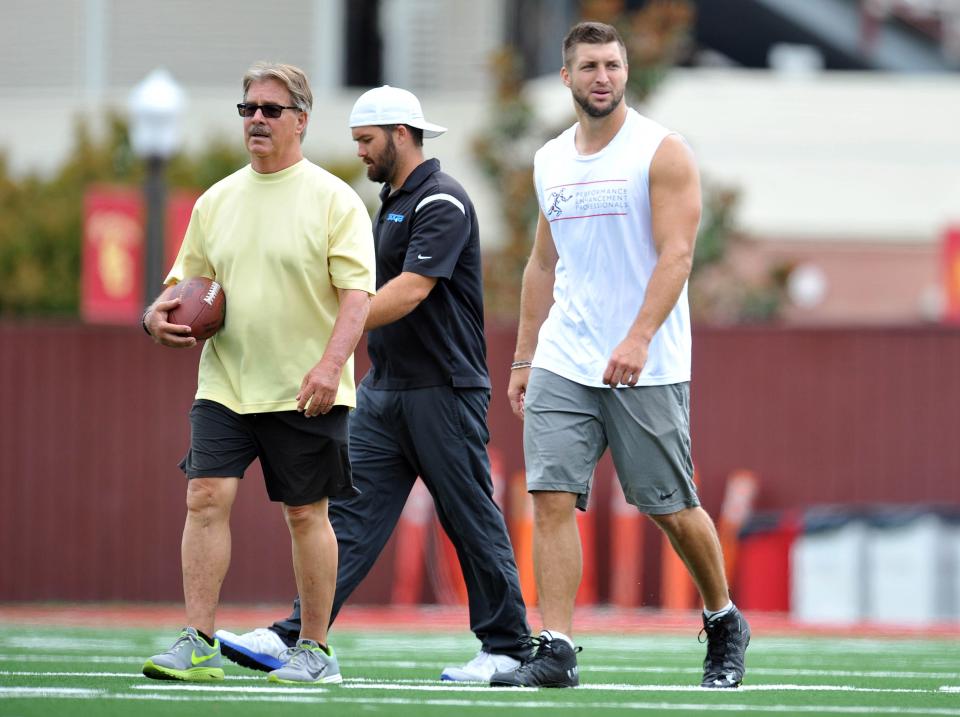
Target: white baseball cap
(392, 105)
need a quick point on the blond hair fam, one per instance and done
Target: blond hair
(290, 76)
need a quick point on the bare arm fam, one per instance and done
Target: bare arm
(675, 211)
(318, 390)
(398, 297)
(536, 298)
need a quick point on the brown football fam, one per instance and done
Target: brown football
(203, 306)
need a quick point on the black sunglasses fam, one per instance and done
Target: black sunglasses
(248, 109)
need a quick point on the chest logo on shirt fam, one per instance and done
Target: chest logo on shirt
(395, 218)
(581, 200)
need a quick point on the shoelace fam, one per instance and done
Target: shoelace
(717, 635)
(529, 643)
(185, 637)
(543, 646)
(296, 656)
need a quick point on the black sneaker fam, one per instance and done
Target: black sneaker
(554, 664)
(727, 640)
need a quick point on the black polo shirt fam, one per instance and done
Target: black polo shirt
(429, 227)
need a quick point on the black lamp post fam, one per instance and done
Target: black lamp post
(155, 106)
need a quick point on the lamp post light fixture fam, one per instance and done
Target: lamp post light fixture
(155, 106)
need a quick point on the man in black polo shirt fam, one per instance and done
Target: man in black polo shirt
(422, 408)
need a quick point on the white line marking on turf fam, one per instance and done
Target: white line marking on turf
(475, 687)
(95, 659)
(172, 697)
(578, 706)
(138, 674)
(625, 668)
(745, 688)
(782, 671)
(405, 681)
(293, 696)
(72, 692)
(70, 644)
(11, 673)
(432, 686)
(779, 671)
(182, 687)
(629, 688)
(461, 687)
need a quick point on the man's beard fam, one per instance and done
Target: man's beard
(592, 110)
(384, 167)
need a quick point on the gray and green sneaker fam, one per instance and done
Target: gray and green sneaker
(307, 662)
(189, 658)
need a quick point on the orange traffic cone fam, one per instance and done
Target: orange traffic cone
(412, 529)
(446, 575)
(587, 592)
(677, 590)
(626, 550)
(737, 506)
(521, 533)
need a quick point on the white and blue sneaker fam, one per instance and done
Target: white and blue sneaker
(480, 669)
(258, 650)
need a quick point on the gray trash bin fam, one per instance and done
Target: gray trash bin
(911, 566)
(827, 581)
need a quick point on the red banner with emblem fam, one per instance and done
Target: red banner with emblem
(113, 256)
(951, 275)
(114, 250)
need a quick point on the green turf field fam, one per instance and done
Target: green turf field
(93, 672)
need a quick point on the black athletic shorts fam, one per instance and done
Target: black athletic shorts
(304, 459)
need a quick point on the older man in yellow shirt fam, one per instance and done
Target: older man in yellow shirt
(292, 247)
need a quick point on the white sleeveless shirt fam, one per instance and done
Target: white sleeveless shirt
(598, 208)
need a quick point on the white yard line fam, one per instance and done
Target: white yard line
(46, 692)
(780, 671)
(138, 675)
(542, 704)
(476, 687)
(265, 690)
(319, 695)
(586, 669)
(434, 686)
(95, 659)
(638, 688)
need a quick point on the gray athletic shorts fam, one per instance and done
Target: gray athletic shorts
(567, 426)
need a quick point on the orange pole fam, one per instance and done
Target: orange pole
(587, 592)
(738, 498)
(408, 569)
(626, 550)
(677, 590)
(521, 531)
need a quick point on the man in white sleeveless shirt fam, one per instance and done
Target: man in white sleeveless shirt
(603, 352)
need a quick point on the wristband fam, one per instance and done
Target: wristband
(520, 364)
(143, 322)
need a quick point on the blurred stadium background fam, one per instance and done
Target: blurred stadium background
(827, 288)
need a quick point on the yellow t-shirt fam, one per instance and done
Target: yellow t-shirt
(281, 245)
